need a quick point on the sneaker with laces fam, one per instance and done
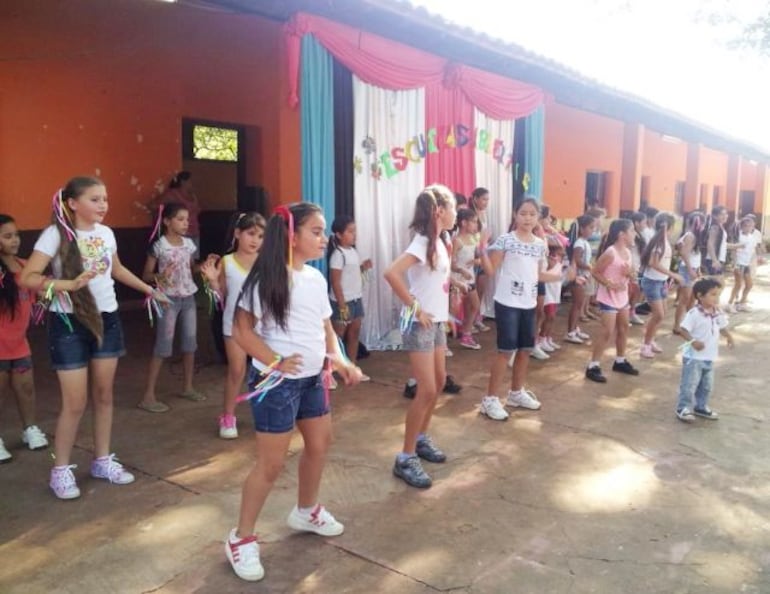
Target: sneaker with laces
(595, 374)
(706, 413)
(5, 455)
(545, 346)
(110, 469)
(552, 344)
(625, 367)
(655, 347)
(522, 399)
(228, 427)
(451, 386)
(34, 438)
(573, 337)
(493, 408)
(243, 555)
(63, 482)
(685, 414)
(412, 473)
(318, 521)
(427, 450)
(538, 353)
(467, 341)
(582, 335)
(646, 352)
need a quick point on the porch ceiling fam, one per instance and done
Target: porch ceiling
(401, 21)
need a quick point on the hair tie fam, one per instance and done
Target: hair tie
(62, 216)
(285, 213)
(156, 228)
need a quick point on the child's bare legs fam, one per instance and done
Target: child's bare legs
(188, 367)
(471, 305)
(748, 283)
(682, 305)
(657, 311)
(317, 435)
(578, 299)
(236, 371)
(608, 321)
(621, 332)
(153, 372)
(429, 368)
(23, 387)
(738, 276)
(539, 316)
(547, 326)
(497, 372)
(74, 394)
(351, 339)
(102, 383)
(520, 366)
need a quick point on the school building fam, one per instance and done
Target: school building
(265, 101)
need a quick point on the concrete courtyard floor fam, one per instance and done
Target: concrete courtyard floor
(603, 490)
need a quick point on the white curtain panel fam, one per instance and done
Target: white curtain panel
(497, 177)
(384, 204)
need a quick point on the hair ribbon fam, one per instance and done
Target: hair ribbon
(156, 228)
(62, 216)
(285, 213)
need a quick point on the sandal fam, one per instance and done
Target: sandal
(193, 395)
(154, 407)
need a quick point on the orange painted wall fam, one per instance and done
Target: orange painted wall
(713, 167)
(664, 163)
(748, 175)
(95, 87)
(575, 142)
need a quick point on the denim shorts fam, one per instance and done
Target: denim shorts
(424, 340)
(684, 272)
(603, 307)
(540, 289)
(74, 349)
(355, 310)
(21, 365)
(185, 310)
(710, 270)
(291, 400)
(515, 328)
(654, 290)
(743, 270)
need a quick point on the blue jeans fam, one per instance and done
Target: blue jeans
(697, 381)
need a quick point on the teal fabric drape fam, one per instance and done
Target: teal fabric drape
(534, 152)
(317, 126)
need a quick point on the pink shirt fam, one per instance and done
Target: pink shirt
(615, 272)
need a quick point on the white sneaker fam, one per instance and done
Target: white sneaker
(745, 307)
(545, 346)
(319, 521)
(554, 346)
(730, 308)
(243, 555)
(491, 407)
(448, 353)
(635, 320)
(62, 482)
(522, 399)
(573, 337)
(582, 335)
(655, 347)
(5, 455)
(538, 353)
(34, 438)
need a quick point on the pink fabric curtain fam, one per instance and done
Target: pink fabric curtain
(450, 138)
(391, 65)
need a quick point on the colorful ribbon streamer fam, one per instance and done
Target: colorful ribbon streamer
(215, 299)
(271, 377)
(58, 302)
(408, 316)
(156, 227)
(62, 216)
(285, 213)
(153, 305)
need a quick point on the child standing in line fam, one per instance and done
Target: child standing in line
(426, 263)
(346, 284)
(465, 248)
(701, 327)
(715, 250)
(552, 298)
(226, 277)
(283, 322)
(689, 263)
(479, 203)
(749, 245)
(173, 253)
(580, 259)
(15, 354)
(639, 219)
(613, 271)
(520, 257)
(656, 262)
(85, 337)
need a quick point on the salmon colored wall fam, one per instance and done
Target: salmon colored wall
(748, 175)
(713, 167)
(575, 142)
(665, 163)
(94, 87)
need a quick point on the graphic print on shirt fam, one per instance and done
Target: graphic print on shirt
(95, 254)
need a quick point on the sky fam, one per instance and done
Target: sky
(671, 52)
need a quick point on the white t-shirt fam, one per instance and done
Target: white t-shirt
(695, 256)
(705, 328)
(309, 308)
(517, 277)
(96, 250)
(430, 287)
(647, 234)
(588, 253)
(174, 263)
(347, 260)
(235, 274)
(664, 262)
(747, 247)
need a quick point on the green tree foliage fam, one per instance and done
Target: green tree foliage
(218, 144)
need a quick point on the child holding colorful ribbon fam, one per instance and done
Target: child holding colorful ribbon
(86, 339)
(283, 322)
(426, 264)
(346, 272)
(172, 253)
(15, 354)
(226, 277)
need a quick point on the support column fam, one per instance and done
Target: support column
(630, 181)
(692, 185)
(733, 189)
(612, 194)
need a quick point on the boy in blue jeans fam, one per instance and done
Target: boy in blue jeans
(701, 328)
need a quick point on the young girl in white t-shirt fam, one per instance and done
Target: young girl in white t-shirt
(85, 337)
(580, 255)
(282, 321)
(346, 284)
(748, 247)
(520, 260)
(173, 254)
(465, 246)
(426, 264)
(656, 263)
(226, 277)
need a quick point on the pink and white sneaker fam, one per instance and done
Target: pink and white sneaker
(243, 555)
(63, 482)
(553, 344)
(646, 352)
(228, 428)
(467, 341)
(545, 345)
(655, 347)
(110, 469)
(318, 520)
